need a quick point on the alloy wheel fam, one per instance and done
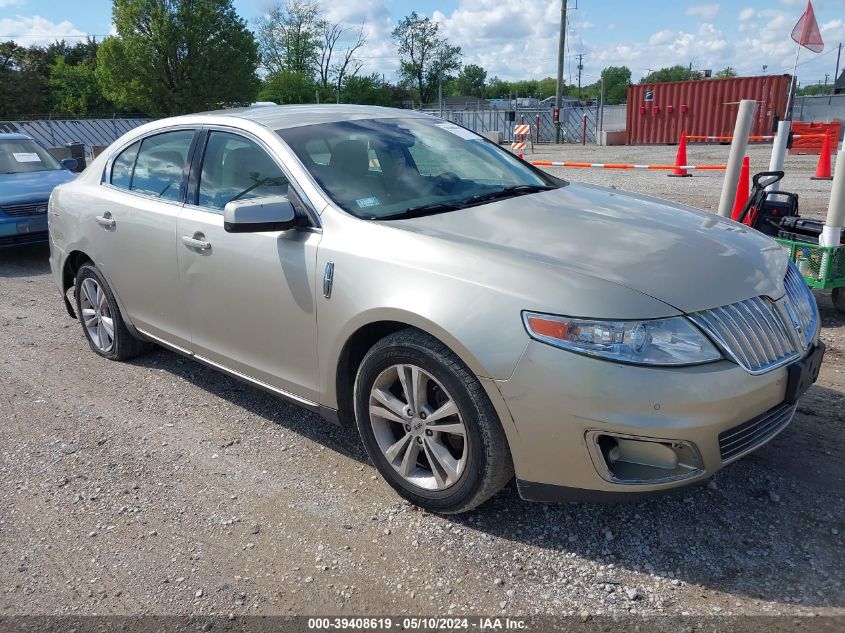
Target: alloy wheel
(418, 427)
(96, 315)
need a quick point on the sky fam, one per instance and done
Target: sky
(517, 39)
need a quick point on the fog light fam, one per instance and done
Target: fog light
(630, 459)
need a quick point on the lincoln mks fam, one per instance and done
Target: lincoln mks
(474, 317)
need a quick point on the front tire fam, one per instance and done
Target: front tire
(428, 425)
(100, 317)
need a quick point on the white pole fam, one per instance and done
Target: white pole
(793, 85)
(835, 220)
(738, 144)
(779, 151)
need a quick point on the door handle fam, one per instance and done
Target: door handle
(106, 220)
(197, 241)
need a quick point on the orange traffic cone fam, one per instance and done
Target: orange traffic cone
(742, 188)
(823, 168)
(681, 158)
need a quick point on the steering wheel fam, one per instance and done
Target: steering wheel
(446, 181)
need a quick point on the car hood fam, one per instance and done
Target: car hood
(687, 258)
(33, 186)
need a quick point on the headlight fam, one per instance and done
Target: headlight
(673, 341)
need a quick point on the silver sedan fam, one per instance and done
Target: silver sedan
(474, 317)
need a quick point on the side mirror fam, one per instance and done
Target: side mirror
(256, 215)
(70, 164)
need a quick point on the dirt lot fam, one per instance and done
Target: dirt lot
(703, 189)
(161, 486)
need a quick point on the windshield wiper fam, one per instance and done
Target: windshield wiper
(440, 207)
(507, 192)
(425, 209)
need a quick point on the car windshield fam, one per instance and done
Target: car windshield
(24, 155)
(397, 168)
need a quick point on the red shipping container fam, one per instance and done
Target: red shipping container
(814, 145)
(702, 107)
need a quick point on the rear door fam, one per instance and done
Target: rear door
(250, 296)
(144, 190)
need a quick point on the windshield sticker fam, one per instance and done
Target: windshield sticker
(363, 203)
(26, 157)
(457, 130)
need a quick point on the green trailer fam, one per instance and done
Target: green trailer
(822, 267)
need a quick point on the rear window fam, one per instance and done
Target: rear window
(160, 165)
(25, 155)
(121, 171)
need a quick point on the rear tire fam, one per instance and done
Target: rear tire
(100, 317)
(428, 425)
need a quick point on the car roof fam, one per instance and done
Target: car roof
(14, 136)
(278, 117)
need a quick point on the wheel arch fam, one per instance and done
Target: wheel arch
(73, 262)
(75, 259)
(365, 333)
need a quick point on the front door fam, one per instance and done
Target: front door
(250, 296)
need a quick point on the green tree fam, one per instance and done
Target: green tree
(366, 89)
(673, 73)
(74, 89)
(470, 81)
(725, 72)
(177, 56)
(424, 58)
(289, 37)
(616, 80)
(24, 90)
(496, 89)
(547, 87)
(813, 90)
(286, 87)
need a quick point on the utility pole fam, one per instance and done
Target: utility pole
(440, 85)
(836, 74)
(561, 48)
(580, 57)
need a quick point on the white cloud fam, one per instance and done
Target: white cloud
(661, 37)
(11, 3)
(518, 39)
(33, 29)
(379, 53)
(705, 11)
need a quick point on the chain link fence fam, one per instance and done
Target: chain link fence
(577, 124)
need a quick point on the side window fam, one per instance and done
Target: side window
(236, 168)
(160, 165)
(121, 169)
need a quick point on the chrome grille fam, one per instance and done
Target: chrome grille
(803, 304)
(21, 210)
(738, 441)
(749, 332)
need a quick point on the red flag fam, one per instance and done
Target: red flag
(806, 31)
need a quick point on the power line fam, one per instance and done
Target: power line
(580, 68)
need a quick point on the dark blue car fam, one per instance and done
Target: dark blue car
(28, 174)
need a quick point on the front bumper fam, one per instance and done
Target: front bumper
(24, 230)
(560, 401)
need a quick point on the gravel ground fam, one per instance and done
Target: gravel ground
(163, 487)
(703, 188)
